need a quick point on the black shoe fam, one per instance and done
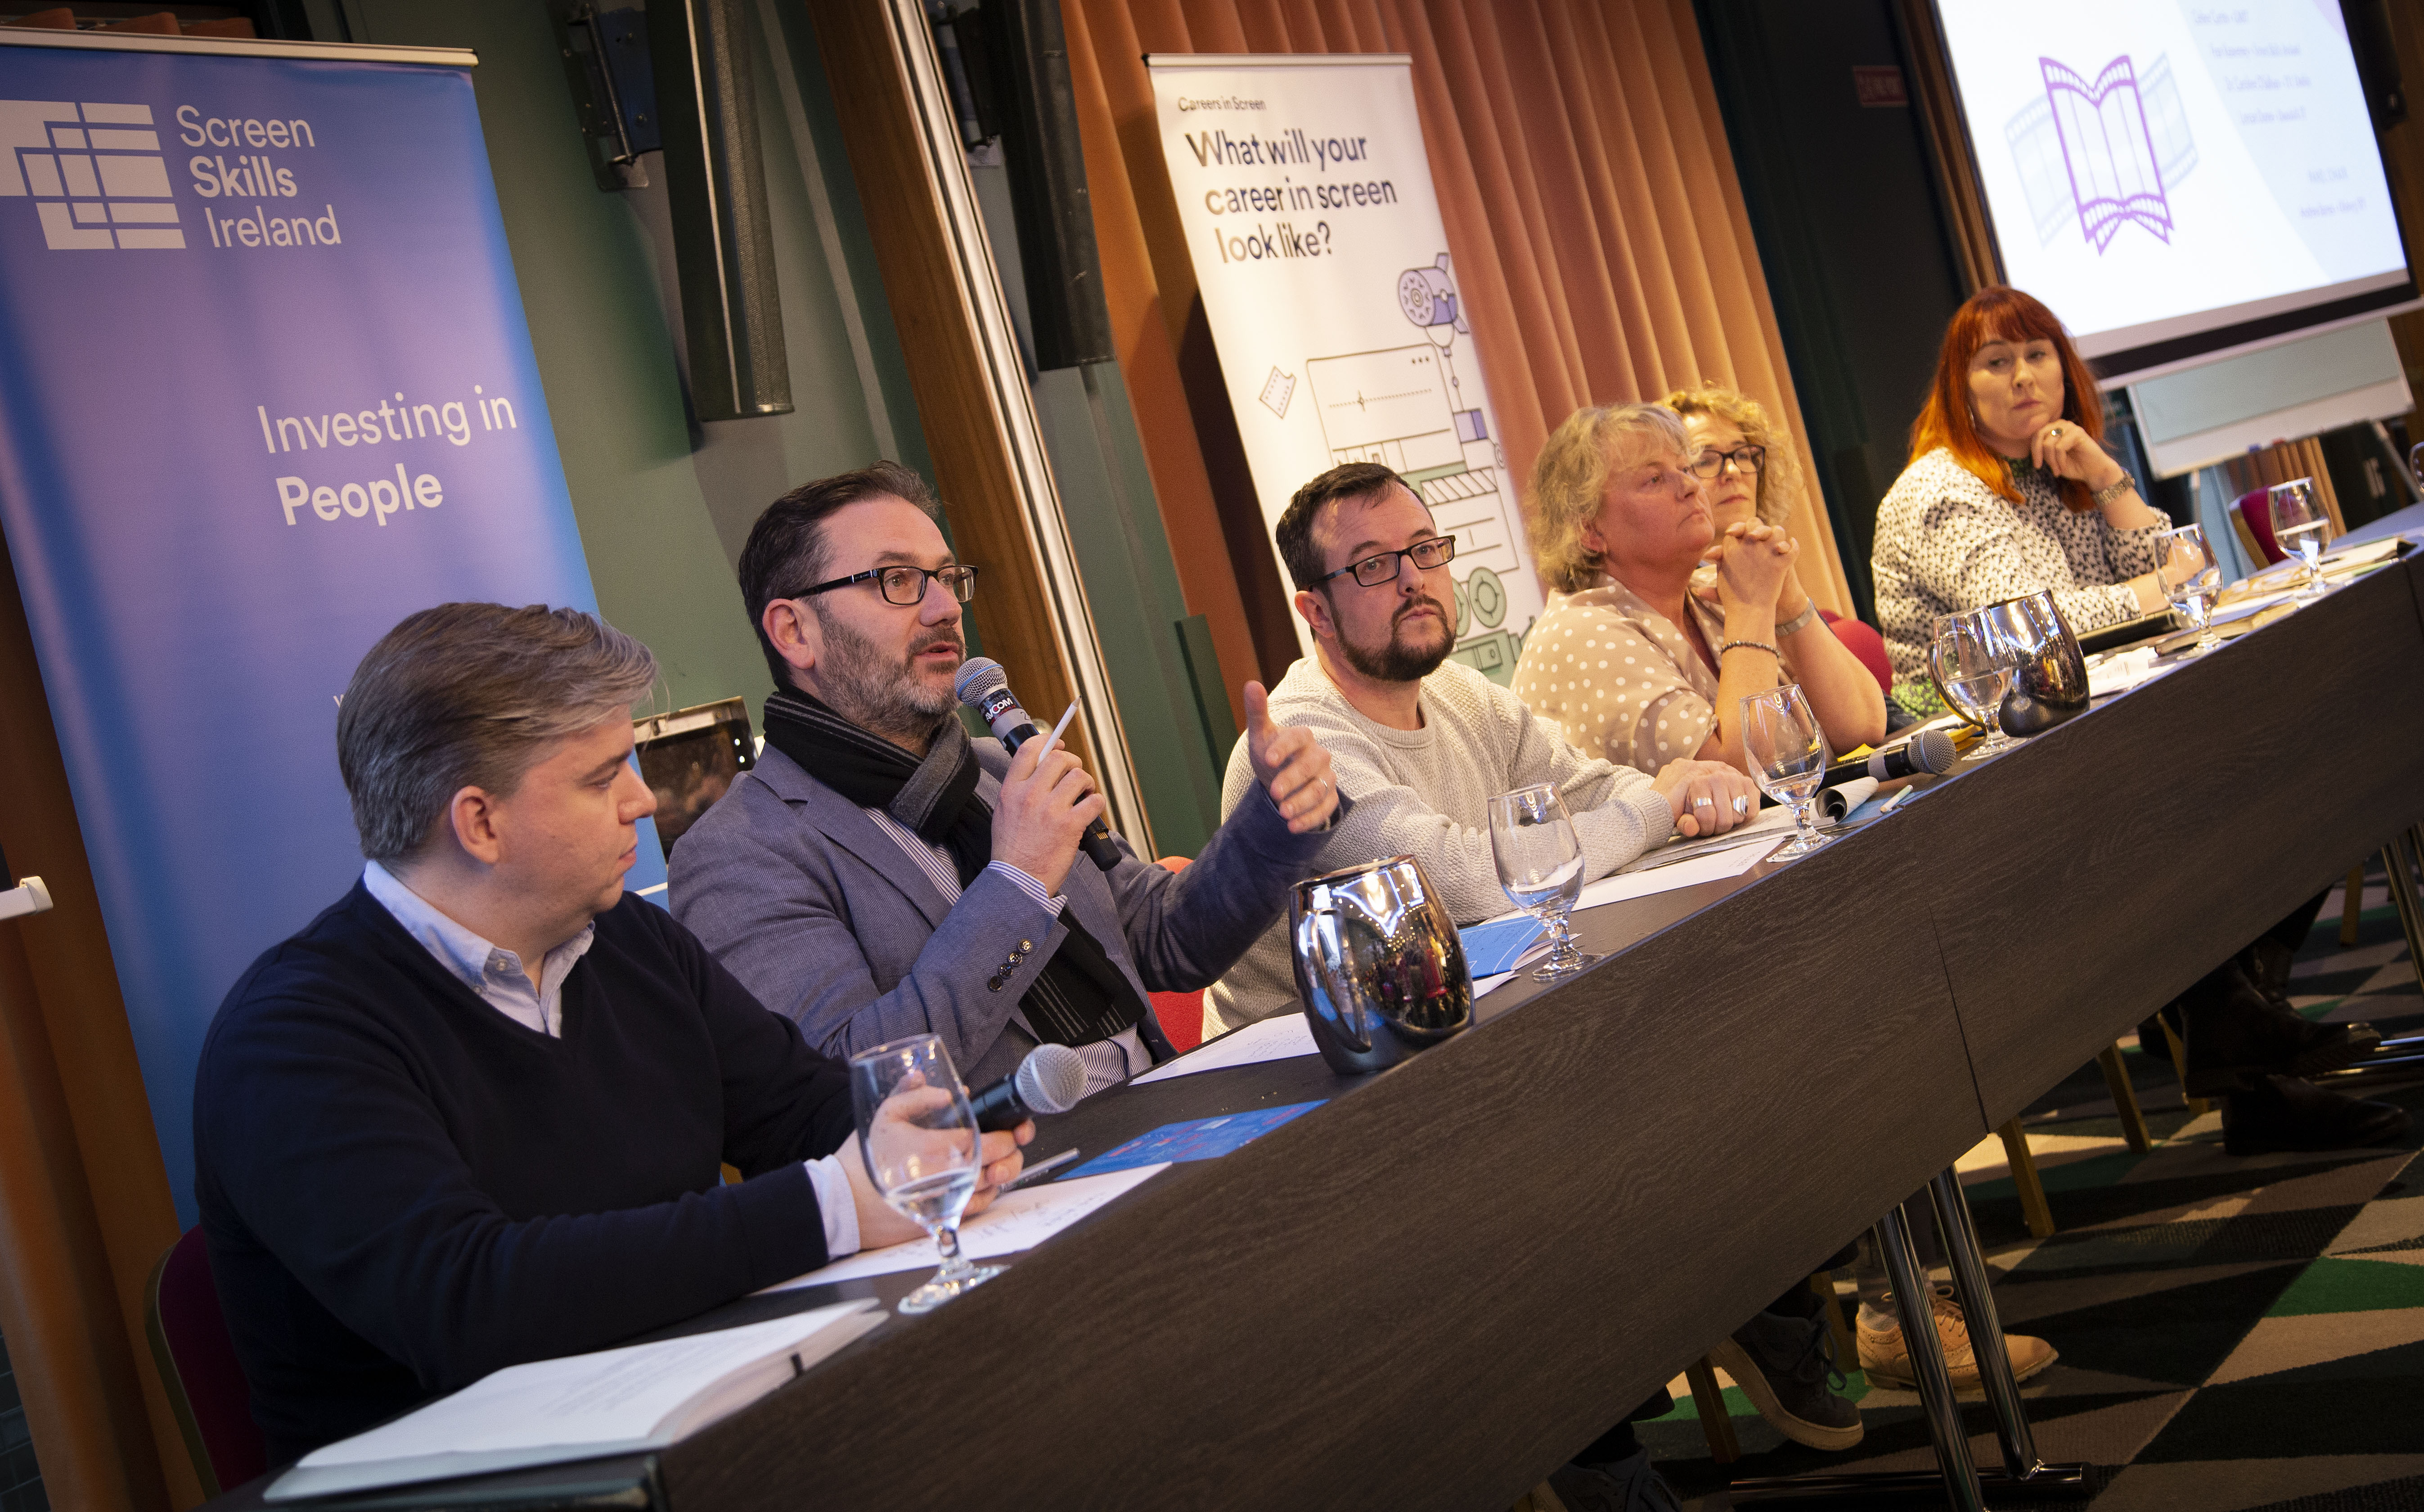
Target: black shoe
(1786, 1366)
(2280, 1113)
(1629, 1485)
(2238, 1034)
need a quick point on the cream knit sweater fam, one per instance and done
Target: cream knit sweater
(1425, 794)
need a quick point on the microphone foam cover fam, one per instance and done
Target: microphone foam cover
(1052, 1077)
(1932, 751)
(980, 675)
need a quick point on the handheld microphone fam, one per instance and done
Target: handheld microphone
(982, 685)
(1049, 1080)
(1929, 753)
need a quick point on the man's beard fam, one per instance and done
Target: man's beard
(1398, 661)
(876, 689)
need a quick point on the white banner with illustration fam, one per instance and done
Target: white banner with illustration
(1325, 274)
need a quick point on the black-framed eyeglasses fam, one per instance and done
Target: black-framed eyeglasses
(906, 585)
(1376, 569)
(1748, 460)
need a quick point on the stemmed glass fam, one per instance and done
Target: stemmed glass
(1540, 865)
(2301, 523)
(1788, 757)
(2190, 579)
(922, 1149)
(1974, 671)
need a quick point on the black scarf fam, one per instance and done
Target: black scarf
(1080, 995)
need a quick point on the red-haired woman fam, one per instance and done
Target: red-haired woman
(2009, 490)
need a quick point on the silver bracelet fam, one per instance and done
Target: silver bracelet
(1800, 622)
(2113, 490)
(1756, 645)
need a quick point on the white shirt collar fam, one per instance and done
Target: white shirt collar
(495, 973)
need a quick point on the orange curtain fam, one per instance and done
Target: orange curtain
(1599, 232)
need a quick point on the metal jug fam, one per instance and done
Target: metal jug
(2050, 674)
(1378, 965)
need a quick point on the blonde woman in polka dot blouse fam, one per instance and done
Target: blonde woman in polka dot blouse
(2009, 490)
(1628, 662)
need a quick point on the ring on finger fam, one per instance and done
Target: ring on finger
(1701, 803)
(1742, 806)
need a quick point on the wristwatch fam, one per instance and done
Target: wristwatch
(2116, 488)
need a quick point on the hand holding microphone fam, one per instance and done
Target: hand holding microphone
(1048, 804)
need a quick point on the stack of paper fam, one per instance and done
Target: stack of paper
(613, 1402)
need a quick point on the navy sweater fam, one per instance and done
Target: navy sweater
(404, 1190)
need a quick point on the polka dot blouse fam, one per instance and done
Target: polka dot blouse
(1619, 680)
(1946, 542)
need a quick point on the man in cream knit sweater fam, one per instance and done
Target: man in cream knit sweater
(1421, 743)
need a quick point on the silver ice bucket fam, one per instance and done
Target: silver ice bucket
(1378, 965)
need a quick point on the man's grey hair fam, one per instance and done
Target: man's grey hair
(472, 696)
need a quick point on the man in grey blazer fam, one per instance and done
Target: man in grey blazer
(880, 874)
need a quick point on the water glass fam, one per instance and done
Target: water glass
(1788, 754)
(1540, 865)
(2301, 525)
(1974, 671)
(922, 1149)
(2190, 579)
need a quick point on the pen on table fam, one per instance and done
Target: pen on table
(1054, 739)
(1037, 1170)
(1894, 802)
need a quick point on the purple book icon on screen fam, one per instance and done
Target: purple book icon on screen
(2115, 175)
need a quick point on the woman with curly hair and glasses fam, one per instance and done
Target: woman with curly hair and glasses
(1628, 663)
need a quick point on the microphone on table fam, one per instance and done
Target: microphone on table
(1049, 1080)
(1929, 753)
(985, 688)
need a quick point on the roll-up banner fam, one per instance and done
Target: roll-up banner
(1324, 268)
(267, 390)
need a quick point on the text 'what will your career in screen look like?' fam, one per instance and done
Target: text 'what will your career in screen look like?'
(378, 449)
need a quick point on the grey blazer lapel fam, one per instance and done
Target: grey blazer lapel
(847, 826)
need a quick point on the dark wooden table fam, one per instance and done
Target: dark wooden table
(1432, 1289)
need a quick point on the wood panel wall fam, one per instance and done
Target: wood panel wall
(975, 471)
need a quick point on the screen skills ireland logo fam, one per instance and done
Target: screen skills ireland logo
(94, 172)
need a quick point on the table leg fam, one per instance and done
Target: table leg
(1955, 1472)
(2399, 860)
(2021, 1461)
(2124, 1098)
(2401, 1057)
(1915, 1294)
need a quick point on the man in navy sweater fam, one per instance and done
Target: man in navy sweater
(473, 1113)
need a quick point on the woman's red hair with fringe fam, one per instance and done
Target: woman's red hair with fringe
(2000, 312)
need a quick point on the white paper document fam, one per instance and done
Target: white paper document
(1714, 867)
(1272, 1038)
(1021, 1220)
(615, 1401)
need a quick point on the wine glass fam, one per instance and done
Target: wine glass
(1540, 865)
(1974, 671)
(2301, 525)
(2190, 579)
(1788, 757)
(922, 1149)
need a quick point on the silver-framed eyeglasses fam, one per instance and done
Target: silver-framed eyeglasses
(906, 585)
(1380, 567)
(1748, 460)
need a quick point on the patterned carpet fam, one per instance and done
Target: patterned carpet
(2237, 1335)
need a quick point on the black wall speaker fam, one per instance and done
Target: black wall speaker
(1020, 46)
(2377, 60)
(724, 239)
